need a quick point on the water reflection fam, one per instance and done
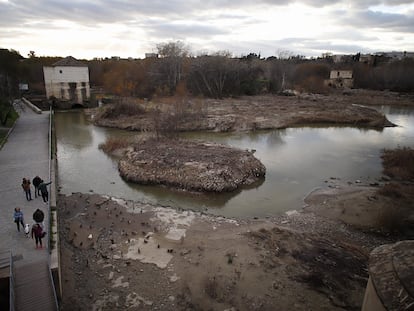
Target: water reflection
(81, 134)
(297, 160)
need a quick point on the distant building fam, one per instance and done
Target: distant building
(397, 55)
(151, 55)
(367, 59)
(337, 58)
(340, 79)
(67, 79)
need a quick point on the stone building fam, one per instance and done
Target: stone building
(67, 80)
(340, 79)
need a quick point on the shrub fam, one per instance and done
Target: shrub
(123, 108)
(112, 144)
(399, 163)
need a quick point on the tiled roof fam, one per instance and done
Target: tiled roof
(70, 61)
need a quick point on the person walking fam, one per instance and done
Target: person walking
(18, 218)
(26, 188)
(38, 234)
(36, 182)
(38, 217)
(43, 190)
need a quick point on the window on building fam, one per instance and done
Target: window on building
(60, 71)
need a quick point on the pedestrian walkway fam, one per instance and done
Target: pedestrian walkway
(25, 154)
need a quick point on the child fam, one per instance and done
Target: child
(18, 218)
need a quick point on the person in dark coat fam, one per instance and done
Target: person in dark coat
(26, 188)
(36, 182)
(38, 216)
(43, 190)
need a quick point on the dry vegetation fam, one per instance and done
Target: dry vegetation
(399, 163)
(112, 144)
(122, 108)
(398, 215)
(167, 116)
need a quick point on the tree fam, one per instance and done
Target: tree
(126, 78)
(209, 74)
(167, 70)
(9, 61)
(310, 77)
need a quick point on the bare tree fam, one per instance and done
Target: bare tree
(209, 73)
(167, 71)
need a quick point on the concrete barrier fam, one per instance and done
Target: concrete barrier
(31, 106)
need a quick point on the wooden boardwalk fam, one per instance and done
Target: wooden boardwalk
(33, 288)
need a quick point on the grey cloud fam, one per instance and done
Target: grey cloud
(385, 21)
(180, 31)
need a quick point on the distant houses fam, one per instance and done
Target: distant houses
(68, 80)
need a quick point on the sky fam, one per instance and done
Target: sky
(131, 28)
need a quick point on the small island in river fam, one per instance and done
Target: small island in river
(188, 165)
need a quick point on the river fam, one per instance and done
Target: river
(297, 161)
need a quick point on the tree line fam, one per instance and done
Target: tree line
(216, 75)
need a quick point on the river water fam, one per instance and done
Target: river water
(297, 161)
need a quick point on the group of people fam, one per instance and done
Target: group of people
(40, 188)
(37, 228)
(36, 231)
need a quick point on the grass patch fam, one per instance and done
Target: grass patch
(392, 190)
(392, 219)
(3, 134)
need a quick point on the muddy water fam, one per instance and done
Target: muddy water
(297, 160)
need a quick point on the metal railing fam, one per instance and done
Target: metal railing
(49, 210)
(11, 285)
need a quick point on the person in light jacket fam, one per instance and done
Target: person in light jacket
(18, 218)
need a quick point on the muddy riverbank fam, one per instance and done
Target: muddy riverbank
(122, 255)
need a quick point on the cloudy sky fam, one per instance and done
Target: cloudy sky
(130, 28)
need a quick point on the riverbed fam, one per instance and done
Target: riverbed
(297, 160)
